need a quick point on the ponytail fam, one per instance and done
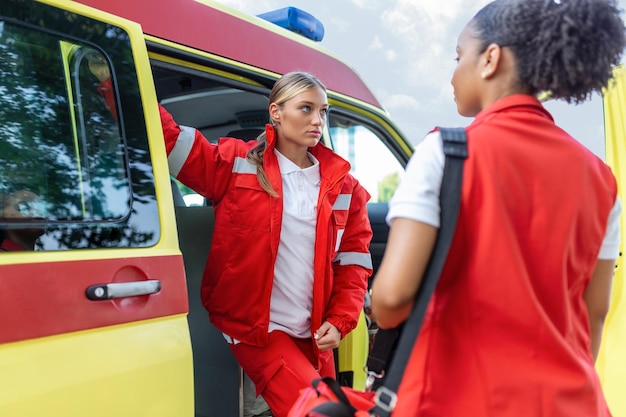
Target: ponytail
(255, 157)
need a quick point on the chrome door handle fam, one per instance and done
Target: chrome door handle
(123, 289)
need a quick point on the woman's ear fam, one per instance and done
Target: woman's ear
(490, 61)
(274, 112)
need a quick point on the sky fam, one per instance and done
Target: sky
(404, 50)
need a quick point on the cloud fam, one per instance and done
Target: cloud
(426, 31)
(367, 4)
(401, 101)
(407, 20)
(377, 43)
(391, 55)
(338, 24)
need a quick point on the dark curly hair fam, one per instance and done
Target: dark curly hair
(566, 48)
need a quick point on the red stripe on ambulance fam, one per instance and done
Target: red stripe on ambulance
(52, 310)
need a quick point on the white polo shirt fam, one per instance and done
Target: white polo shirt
(292, 293)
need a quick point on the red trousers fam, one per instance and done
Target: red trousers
(283, 368)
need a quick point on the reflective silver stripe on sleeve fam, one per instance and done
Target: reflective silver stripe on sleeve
(340, 233)
(242, 166)
(354, 258)
(343, 202)
(176, 159)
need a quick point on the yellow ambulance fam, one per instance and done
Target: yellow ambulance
(102, 316)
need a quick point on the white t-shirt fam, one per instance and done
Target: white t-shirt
(418, 199)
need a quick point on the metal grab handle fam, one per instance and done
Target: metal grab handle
(123, 289)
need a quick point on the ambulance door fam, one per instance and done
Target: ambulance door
(93, 299)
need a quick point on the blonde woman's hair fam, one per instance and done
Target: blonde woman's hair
(286, 87)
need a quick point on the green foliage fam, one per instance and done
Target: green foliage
(387, 186)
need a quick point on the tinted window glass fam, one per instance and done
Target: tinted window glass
(69, 170)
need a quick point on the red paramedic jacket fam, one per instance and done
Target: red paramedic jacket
(507, 332)
(237, 281)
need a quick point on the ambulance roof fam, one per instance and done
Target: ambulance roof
(212, 27)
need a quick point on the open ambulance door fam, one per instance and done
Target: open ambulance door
(94, 317)
(611, 363)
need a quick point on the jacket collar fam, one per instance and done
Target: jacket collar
(331, 164)
(512, 101)
(270, 134)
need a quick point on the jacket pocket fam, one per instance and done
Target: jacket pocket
(248, 204)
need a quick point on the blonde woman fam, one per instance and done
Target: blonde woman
(296, 283)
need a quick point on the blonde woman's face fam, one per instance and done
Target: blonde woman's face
(300, 120)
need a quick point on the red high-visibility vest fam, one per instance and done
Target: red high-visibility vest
(507, 332)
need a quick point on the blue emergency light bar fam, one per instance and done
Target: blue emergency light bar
(296, 20)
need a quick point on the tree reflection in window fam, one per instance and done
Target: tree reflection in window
(59, 140)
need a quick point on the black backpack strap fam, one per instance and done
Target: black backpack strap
(455, 150)
(385, 342)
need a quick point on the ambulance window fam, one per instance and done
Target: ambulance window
(63, 157)
(371, 160)
(102, 190)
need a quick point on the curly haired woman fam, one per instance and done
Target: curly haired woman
(514, 325)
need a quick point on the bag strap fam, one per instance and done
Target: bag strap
(455, 150)
(341, 408)
(381, 352)
(331, 409)
(385, 339)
